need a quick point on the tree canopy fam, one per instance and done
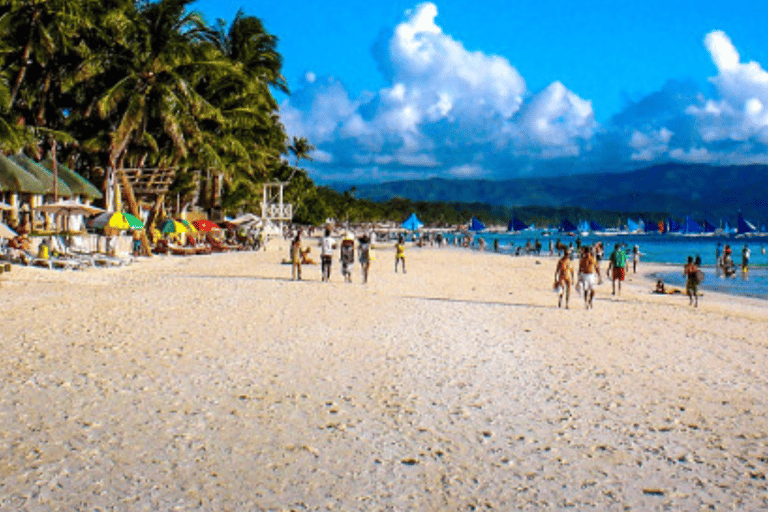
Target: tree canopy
(147, 84)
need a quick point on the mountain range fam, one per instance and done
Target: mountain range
(703, 191)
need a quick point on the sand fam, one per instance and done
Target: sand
(216, 383)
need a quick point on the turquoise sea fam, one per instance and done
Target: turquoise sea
(666, 249)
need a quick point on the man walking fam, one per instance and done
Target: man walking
(617, 263)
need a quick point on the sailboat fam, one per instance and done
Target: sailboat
(744, 227)
(516, 225)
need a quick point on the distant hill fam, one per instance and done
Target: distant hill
(700, 190)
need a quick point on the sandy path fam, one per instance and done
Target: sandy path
(214, 383)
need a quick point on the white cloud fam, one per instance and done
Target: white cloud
(649, 146)
(739, 114)
(555, 122)
(443, 108)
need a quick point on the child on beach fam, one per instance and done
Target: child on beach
(400, 253)
(589, 273)
(563, 279)
(617, 262)
(347, 257)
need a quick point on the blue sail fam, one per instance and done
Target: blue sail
(744, 226)
(691, 226)
(476, 225)
(583, 226)
(673, 226)
(651, 227)
(567, 226)
(634, 226)
(516, 225)
(709, 227)
(594, 226)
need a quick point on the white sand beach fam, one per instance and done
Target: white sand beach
(216, 383)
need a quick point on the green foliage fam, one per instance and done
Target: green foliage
(123, 83)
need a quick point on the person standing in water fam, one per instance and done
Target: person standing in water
(400, 253)
(745, 253)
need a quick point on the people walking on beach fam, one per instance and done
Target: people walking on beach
(327, 245)
(617, 262)
(347, 257)
(364, 255)
(400, 253)
(692, 274)
(635, 258)
(589, 275)
(563, 279)
(745, 260)
(296, 257)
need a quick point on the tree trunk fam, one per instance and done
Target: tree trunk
(133, 207)
(55, 169)
(24, 59)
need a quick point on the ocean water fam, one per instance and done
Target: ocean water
(667, 249)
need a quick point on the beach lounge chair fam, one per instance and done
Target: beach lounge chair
(180, 250)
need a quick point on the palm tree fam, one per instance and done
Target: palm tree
(301, 149)
(42, 70)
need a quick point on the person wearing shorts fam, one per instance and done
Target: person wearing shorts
(692, 282)
(617, 263)
(563, 278)
(327, 245)
(589, 273)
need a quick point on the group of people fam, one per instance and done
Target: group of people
(328, 246)
(724, 264)
(588, 276)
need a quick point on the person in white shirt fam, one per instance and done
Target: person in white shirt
(327, 245)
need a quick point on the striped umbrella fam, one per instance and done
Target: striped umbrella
(116, 220)
(172, 226)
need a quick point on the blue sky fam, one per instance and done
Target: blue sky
(492, 88)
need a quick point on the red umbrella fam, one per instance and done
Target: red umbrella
(205, 225)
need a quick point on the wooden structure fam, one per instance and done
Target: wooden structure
(272, 206)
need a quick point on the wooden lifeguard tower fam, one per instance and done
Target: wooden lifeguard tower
(273, 209)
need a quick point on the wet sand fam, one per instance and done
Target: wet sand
(216, 383)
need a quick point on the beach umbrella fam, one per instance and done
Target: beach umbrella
(205, 225)
(115, 220)
(172, 226)
(186, 223)
(6, 232)
(412, 223)
(69, 208)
